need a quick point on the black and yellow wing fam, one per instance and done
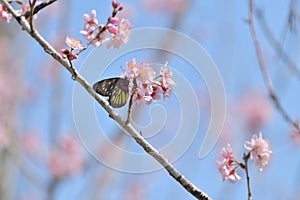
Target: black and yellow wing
(105, 87)
(115, 88)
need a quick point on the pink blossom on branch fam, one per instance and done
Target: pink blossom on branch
(145, 85)
(121, 34)
(227, 165)
(5, 14)
(90, 24)
(74, 43)
(166, 81)
(295, 133)
(116, 31)
(260, 150)
(66, 53)
(31, 142)
(66, 159)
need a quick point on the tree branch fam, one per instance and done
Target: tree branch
(275, 44)
(246, 158)
(264, 71)
(190, 187)
(38, 8)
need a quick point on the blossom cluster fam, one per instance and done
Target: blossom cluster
(145, 85)
(259, 151)
(227, 165)
(7, 16)
(114, 33)
(66, 158)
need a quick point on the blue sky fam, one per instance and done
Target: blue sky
(221, 29)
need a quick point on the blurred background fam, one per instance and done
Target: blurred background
(41, 156)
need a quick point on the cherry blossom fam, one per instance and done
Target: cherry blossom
(166, 81)
(227, 165)
(74, 43)
(145, 84)
(4, 14)
(256, 109)
(295, 133)
(116, 32)
(90, 24)
(31, 141)
(260, 150)
(66, 53)
(67, 158)
(114, 20)
(122, 35)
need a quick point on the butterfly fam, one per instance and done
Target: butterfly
(116, 89)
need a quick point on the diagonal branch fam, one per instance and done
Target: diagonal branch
(275, 44)
(264, 71)
(189, 186)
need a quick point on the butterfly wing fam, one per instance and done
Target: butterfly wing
(105, 87)
(119, 95)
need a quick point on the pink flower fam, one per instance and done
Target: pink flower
(74, 43)
(256, 109)
(295, 133)
(90, 24)
(66, 53)
(66, 159)
(227, 165)
(156, 91)
(166, 81)
(171, 6)
(114, 20)
(115, 4)
(31, 142)
(113, 30)
(4, 14)
(90, 21)
(142, 78)
(260, 150)
(123, 35)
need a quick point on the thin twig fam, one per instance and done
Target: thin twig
(52, 188)
(74, 73)
(31, 10)
(245, 167)
(184, 182)
(101, 30)
(38, 8)
(275, 44)
(129, 108)
(264, 71)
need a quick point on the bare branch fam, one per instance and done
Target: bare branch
(275, 44)
(246, 158)
(38, 8)
(264, 71)
(190, 187)
(31, 10)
